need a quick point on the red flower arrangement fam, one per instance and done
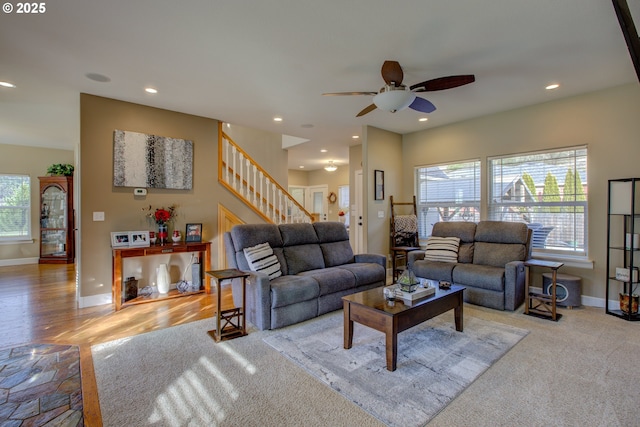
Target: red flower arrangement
(341, 213)
(161, 216)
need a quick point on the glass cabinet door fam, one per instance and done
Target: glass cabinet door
(53, 222)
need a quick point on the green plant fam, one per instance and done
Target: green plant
(60, 169)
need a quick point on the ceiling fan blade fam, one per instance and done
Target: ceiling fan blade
(422, 105)
(443, 83)
(367, 110)
(392, 72)
(349, 93)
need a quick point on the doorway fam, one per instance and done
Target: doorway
(313, 199)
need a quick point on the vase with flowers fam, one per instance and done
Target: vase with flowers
(162, 217)
(341, 216)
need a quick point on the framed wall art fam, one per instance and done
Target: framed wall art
(378, 185)
(193, 233)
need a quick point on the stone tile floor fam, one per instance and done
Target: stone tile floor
(40, 386)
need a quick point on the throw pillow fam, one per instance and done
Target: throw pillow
(443, 249)
(261, 258)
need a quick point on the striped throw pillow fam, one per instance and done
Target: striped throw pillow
(261, 258)
(443, 249)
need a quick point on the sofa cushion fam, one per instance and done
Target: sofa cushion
(498, 254)
(442, 249)
(303, 258)
(465, 253)
(262, 259)
(366, 273)
(336, 253)
(502, 232)
(465, 231)
(287, 290)
(328, 231)
(331, 280)
(479, 276)
(297, 234)
(252, 234)
(434, 270)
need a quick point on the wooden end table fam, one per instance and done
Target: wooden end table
(234, 318)
(372, 309)
(399, 253)
(545, 305)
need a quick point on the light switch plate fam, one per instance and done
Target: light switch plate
(380, 214)
(98, 216)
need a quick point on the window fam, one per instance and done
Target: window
(15, 207)
(447, 192)
(546, 190)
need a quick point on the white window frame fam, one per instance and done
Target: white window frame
(466, 206)
(535, 212)
(10, 238)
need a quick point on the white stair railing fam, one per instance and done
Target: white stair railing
(241, 175)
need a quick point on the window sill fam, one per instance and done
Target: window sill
(569, 261)
(16, 242)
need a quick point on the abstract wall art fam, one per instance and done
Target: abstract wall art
(151, 161)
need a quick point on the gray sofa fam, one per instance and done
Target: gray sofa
(317, 265)
(490, 261)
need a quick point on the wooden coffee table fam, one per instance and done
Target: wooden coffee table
(371, 309)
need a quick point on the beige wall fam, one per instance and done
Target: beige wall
(32, 161)
(123, 211)
(382, 151)
(607, 121)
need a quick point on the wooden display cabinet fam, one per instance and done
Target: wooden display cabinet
(57, 234)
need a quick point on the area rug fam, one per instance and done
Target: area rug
(40, 385)
(435, 362)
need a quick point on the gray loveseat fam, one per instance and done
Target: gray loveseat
(317, 269)
(490, 261)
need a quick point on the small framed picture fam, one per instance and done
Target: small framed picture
(378, 185)
(193, 233)
(119, 239)
(139, 238)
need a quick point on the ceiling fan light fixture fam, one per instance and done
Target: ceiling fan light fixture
(330, 167)
(394, 99)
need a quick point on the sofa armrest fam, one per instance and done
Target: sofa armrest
(373, 258)
(414, 256)
(258, 303)
(514, 276)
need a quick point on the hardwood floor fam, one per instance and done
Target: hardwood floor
(38, 305)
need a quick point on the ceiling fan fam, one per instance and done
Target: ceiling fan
(395, 96)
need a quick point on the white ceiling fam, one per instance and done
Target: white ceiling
(245, 62)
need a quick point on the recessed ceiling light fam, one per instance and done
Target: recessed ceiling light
(552, 86)
(423, 119)
(355, 137)
(323, 151)
(277, 119)
(7, 84)
(301, 166)
(101, 78)
(150, 90)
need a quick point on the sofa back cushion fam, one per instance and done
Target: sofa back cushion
(298, 234)
(303, 258)
(465, 231)
(248, 235)
(499, 242)
(334, 243)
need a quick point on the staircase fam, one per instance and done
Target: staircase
(241, 175)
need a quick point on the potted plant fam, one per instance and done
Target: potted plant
(60, 170)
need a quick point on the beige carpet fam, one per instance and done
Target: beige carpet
(580, 371)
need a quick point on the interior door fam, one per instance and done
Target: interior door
(356, 214)
(317, 201)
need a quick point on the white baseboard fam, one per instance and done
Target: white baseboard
(18, 261)
(94, 300)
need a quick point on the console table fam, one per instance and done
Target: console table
(118, 254)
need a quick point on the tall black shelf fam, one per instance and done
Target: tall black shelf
(623, 210)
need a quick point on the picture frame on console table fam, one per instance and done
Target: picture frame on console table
(119, 239)
(378, 184)
(139, 238)
(193, 233)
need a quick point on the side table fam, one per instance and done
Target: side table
(400, 253)
(234, 318)
(545, 304)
